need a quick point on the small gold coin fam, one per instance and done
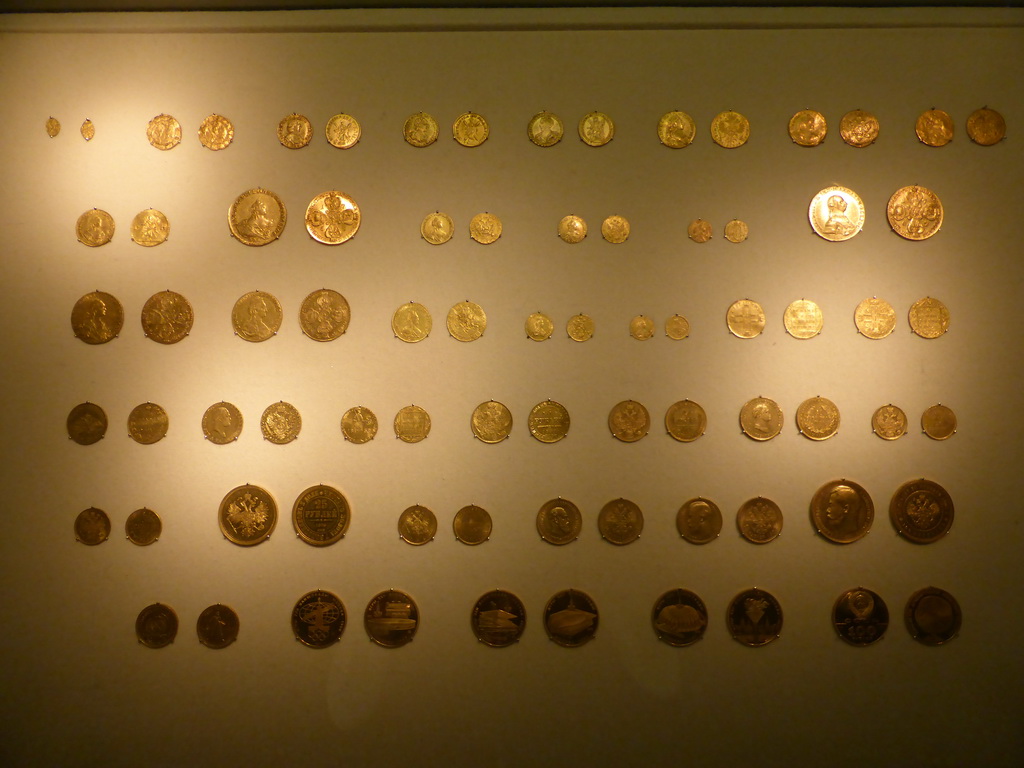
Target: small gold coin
(343, 131)
(280, 423)
(915, 213)
(986, 127)
(641, 328)
(332, 218)
(257, 217)
(580, 327)
(256, 316)
(761, 418)
(836, 214)
(318, 619)
(875, 318)
(324, 315)
(420, 129)
(559, 521)
(472, 525)
(156, 625)
(359, 425)
(572, 229)
(95, 228)
(932, 616)
(491, 422)
(939, 422)
(803, 319)
(222, 423)
(87, 423)
(147, 423)
(466, 321)
(216, 132)
(730, 129)
(571, 618)
(736, 231)
(686, 421)
(679, 618)
(817, 418)
(88, 130)
(92, 526)
(321, 515)
(889, 422)
(294, 131)
(676, 129)
(412, 424)
(629, 421)
(759, 520)
(549, 421)
(699, 520)
(417, 525)
(596, 129)
(391, 618)
(143, 527)
(411, 322)
(929, 318)
(167, 317)
(860, 616)
(842, 511)
(745, 319)
(807, 128)
(437, 228)
(470, 129)
(677, 327)
(164, 132)
(620, 522)
(52, 127)
(545, 129)
(934, 128)
(859, 128)
(699, 231)
(485, 228)
(539, 327)
(615, 229)
(247, 515)
(498, 619)
(921, 511)
(217, 626)
(150, 227)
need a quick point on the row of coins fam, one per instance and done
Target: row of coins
(571, 619)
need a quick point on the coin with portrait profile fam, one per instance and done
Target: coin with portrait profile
(548, 421)
(836, 214)
(92, 526)
(559, 521)
(759, 520)
(94, 228)
(156, 626)
(343, 131)
(257, 217)
(359, 425)
(324, 315)
(539, 327)
(807, 128)
(761, 418)
(332, 217)
(256, 316)
(699, 520)
(699, 231)
(915, 213)
(437, 228)
(676, 129)
(52, 127)
(934, 127)
(615, 229)
(143, 527)
(572, 229)
(679, 618)
(485, 228)
(754, 617)
(580, 327)
(939, 422)
(730, 129)
(217, 626)
(470, 129)
(466, 321)
(164, 132)
(875, 318)
(412, 424)
(280, 423)
(498, 618)
(641, 328)
(859, 128)
(817, 418)
(736, 231)
(929, 318)
(677, 327)
(87, 423)
(685, 421)
(391, 618)
(167, 317)
(745, 319)
(420, 129)
(491, 422)
(932, 616)
(803, 319)
(545, 129)
(986, 127)
(571, 618)
(596, 129)
(147, 423)
(150, 228)
(216, 132)
(417, 525)
(620, 522)
(321, 515)
(88, 130)
(629, 421)
(921, 511)
(472, 525)
(842, 511)
(860, 617)
(294, 131)
(411, 322)
(247, 515)
(889, 422)
(318, 619)
(222, 423)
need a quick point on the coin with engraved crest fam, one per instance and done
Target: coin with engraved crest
(615, 229)
(256, 316)
(679, 618)
(318, 619)
(417, 525)
(686, 421)
(934, 128)
(986, 127)
(217, 626)
(332, 217)
(147, 423)
(257, 217)
(87, 423)
(491, 422)
(817, 418)
(92, 526)
(294, 131)
(150, 227)
(807, 128)
(156, 625)
(412, 424)
(167, 317)
(759, 520)
(836, 214)
(889, 422)
(932, 616)
(754, 617)
(842, 511)
(939, 422)
(143, 527)
(52, 127)
(859, 128)
(730, 129)
(676, 129)
(280, 423)
(761, 418)
(559, 521)
(677, 327)
(572, 229)
(216, 132)
(94, 228)
(929, 318)
(411, 322)
(324, 315)
(545, 129)
(470, 129)
(539, 327)
(875, 318)
(803, 319)
(472, 525)
(437, 228)
(420, 129)
(88, 130)
(343, 131)
(641, 328)
(620, 522)
(359, 425)
(571, 618)
(699, 231)
(498, 618)
(466, 321)
(391, 618)
(629, 421)
(915, 213)
(164, 132)
(549, 421)
(699, 520)
(321, 515)
(580, 327)
(860, 616)
(596, 129)
(485, 228)
(222, 423)
(247, 515)
(921, 511)
(736, 231)
(745, 319)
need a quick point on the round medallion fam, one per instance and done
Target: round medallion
(915, 213)
(580, 327)
(620, 522)
(256, 316)
(929, 318)
(803, 319)
(94, 228)
(164, 132)
(412, 424)
(217, 626)
(150, 227)
(539, 327)
(87, 423)
(921, 511)
(167, 317)
(470, 129)
(411, 322)
(491, 422)
(417, 525)
(549, 421)
(745, 319)
(545, 129)
(736, 231)
(485, 228)
(817, 418)
(571, 618)
(359, 425)
(615, 229)
(759, 520)
(437, 228)
(498, 619)
(685, 421)
(92, 526)
(280, 423)
(332, 218)
(318, 619)
(143, 527)
(257, 217)
(321, 515)
(699, 521)
(699, 231)
(934, 128)
(343, 131)
(294, 131)
(247, 515)
(932, 616)
(572, 229)
(676, 129)
(842, 511)
(596, 129)
(466, 321)
(156, 625)
(679, 618)
(754, 617)
(761, 418)
(889, 422)
(860, 616)
(859, 128)
(472, 525)
(222, 423)
(147, 423)
(420, 130)
(875, 318)
(641, 328)
(559, 522)
(216, 132)
(986, 127)
(836, 214)
(677, 327)
(391, 618)
(730, 129)
(939, 422)
(807, 128)
(324, 315)
(629, 421)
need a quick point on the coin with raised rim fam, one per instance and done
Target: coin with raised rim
(485, 228)
(939, 422)
(280, 423)
(167, 317)
(759, 520)
(470, 129)
(921, 511)
(817, 418)
(836, 214)
(86, 423)
(92, 526)
(147, 423)
(641, 328)
(437, 228)
(745, 319)
(934, 127)
(736, 231)
(699, 231)
(321, 515)
(928, 318)
(417, 525)
(294, 131)
(411, 322)
(677, 327)
(491, 422)
(420, 129)
(859, 128)
(875, 318)
(94, 228)
(545, 129)
(889, 422)
(222, 423)
(343, 131)
(679, 618)
(686, 420)
(472, 525)
(466, 321)
(217, 626)
(559, 521)
(915, 213)
(842, 511)
(730, 129)
(52, 127)
(580, 327)
(932, 616)
(539, 327)
(412, 424)
(548, 421)
(391, 618)
(808, 128)
(332, 217)
(699, 520)
(164, 132)
(761, 418)
(216, 132)
(596, 129)
(803, 319)
(860, 616)
(247, 515)
(571, 618)
(676, 129)
(986, 127)
(156, 626)
(257, 217)
(256, 316)
(629, 421)
(359, 425)
(620, 522)
(572, 229)
(754, 617)
(615, 229)
(143, 527)
(498, 618)
(318, 619)
(150, 228)
(324, 315)
(88, 130)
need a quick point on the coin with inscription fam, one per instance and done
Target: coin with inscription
(860, 616)
(759, 520)
(596, 129)
(491, 422)
(571, 618)
(217, 626)
(318, 619)
(343, 131)
(934, 128)
(817, 418)
(216, 132)
(417, 525)
(324, 315)
(466, 321)
(986, 127)
(761, 418)
(736, 231)
(807, 128)
(257, 217)
(498, 618)
(280, 423)
(412, 424)
(539, 327)
(52, 127)
(836, 214)
(572, 229)
(875, 318)
(559, 521)
(686, 421)
(889, 422)
(620, 522)
(156, 625)
(676, 129)
(256, 316)
(150, 227)
(87, 423)
(92, 526)
(143, 527)
(932, 616)
(391, 618)
(167, 317)
(699, 231)
(222, 423)
(88, 130)
(472, 525)
(147, 423)
(321, 515)
(754, 617)
(164, 132)
(470, 129)
(677, 327)
(745, 319)
(859, 128)
(915, 213)
(580, 327)
(545, 129)
(921, 511)
(629, 421)
(359, 425)
(437, 228)
(929, 318)
(94, 228)
(332, 217)
(679, 618)
(842, 511)
(803, 319)
(641, 328)
(485, 228)
(247, 515)
(730, 129)
(549, 421)
(420, 129)
(939, 422)
(411, 322)
(615, 229)
(699, 520)
(294, 131)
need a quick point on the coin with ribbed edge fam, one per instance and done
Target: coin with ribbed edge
(921, 511)
(97, 317)
(318, 619)
(842, 511)
(321, 515)
(247, 515)
(559, 521)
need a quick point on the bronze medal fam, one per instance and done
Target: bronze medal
(411, 322)
(343, 131)
(549, 421)
(324, 315)
(222, 423)
(539, 327)
(860, 616)
(842, 511)
(485, 228)
(498, 619)
(164, 132)
(332, 218)
(143, 527)
(470, 129)
(580, 327)
(94, 228)
(156, 625)
(391, 618)
(417, 525)
(676, 129)
(150, 228)
(256, 316)
(92, 526)
(596, 129)
(216, 132)
(817, 418)
(167, 317)
(685, 421)
(759, 520)
(472, 525)
(730, 129)
(921, 511)
(359, 425)
(807, 128)
(934, 128)
(836, 214)
(736, 231)
(280, 423)
(615, 229)
(620, 522)
(699, 231)
(629, 421)
(939, 422)
(559, 522)
(929, 318)
(754, 617)
(761, 418)
(321, 515)
(677, 327)
(88, 130)
(572, 229)
(641, 328)
(52, 127)
(570, 618)
(803, 319)
(745, 319)
(875, 318)
(318, 619)
(247, 515)
(294, 131)
(217, 626)
(420, 130)
(491, 422)
(915, 213)
(889, 422)
(147, 423)
(679, 618)
(437, 228)
(87, 423)
(257, 217)
(986, 127)
(545, 129)
(466, 321)
(932, 616)
(412, 424)
(699, 521)
(859, 128)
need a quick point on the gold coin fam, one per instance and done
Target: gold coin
(615, 229)
(730, 129)
(571, 618)
(216, 132)
(842, 511)
(150, 227)
(412, 424)
(685, 421)
(217, 626)
(939, 422)
(559, 521)
(470, 129)
(318, 619)
(676, 129)
(932, 616)
(472, 525)
(88, 130)
(803, 319)
(257, 217)
(679, 618)
(52, 127)
(596, 129)
(761, 418)
(914, 213)
(420, 129)
(545, 129)
(332, 217)
(736, 231)
(343, 131)
(889, 422)
(745, 319)
(549, 421)
(411, 322)
(929, 318)
(87, 423)
(466, 321)
(759, 520)
(324, 315)
(875, 318)
(222, 423)
(498, 619)
(167, 317)
(817, 418)
(641, 328)
(934, 128)
(359, 425)
(95, 228)
(539, 327)
(629, 421)
(437, 228)
(294, 131)
(807, 128)
(156, 625)
(580, 327)
(164, 132)
(485, 228)
(280, 423)
(391, 618)
(921, 511)
(256, 316)
(677, 327)
(860, 616)
(247, 515)
(620, 522)
(572, 229)
(92, 526)
(143, 527)
(417, 525)
(836, 214)
(147, 423)
(321, 515)
(986, 127)
(491, 422)
(699, 231)
(859, 128)
(699, 520)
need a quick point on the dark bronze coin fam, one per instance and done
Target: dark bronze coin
(699, 520)
(679, 617)
(933, 616)
(391, 618)
(559, 521)
(217, 626)
(842, 511)
(92, 526)
(860, 616)
(754, 617)
(318, 619)
(321, 515)
(156, 625)
(472, 525)
(759, 520)
(922, 511)
(87, 423)
(570, 618)
(620, 521)
(498, 619)
(143, 527)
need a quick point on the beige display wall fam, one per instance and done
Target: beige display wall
(79, 689)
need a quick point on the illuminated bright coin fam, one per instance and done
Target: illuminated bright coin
(411, 322)
(222, 423)
(859, 128)
(615, 229)
(580, 327)
(412, 424)
(929, 318)
(216, 132)
(485, 228)
(620, 522)
(730, 129)
(807, 128)
(629, 421)
(257, 217)
(676, 129)
(699, 521)
(699, 231)
(256, 316)
(545, 129)
(679, 618)
(548, 421)
(148, 423)
(572, 229)
(539, 327)
(466, 321)
(759, 520)
(294, 131)
(745, 319)
(939, 422)
(686, 421)
(420, 129)
(817, 418)
(247, 515)
(417, 525)
(559, 521)
(875, 318)
(95, 228)
(803, 319)
(343, 131)
(52, 127)
(915, 213)
(92, 526)
(596, 129)
(491, 422)
(761, 419)
(359, 425)
(88, 130)
(332, 218)
(324, 315)
(934, 128)
(986, 127)
(889, 422)
(836, 214)
(677, 327)
(736, 231)
(280, 423)
(167, 317)
(641, 328)
(150, 227)
(470, 129)
(437, 228)
(164, 132)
